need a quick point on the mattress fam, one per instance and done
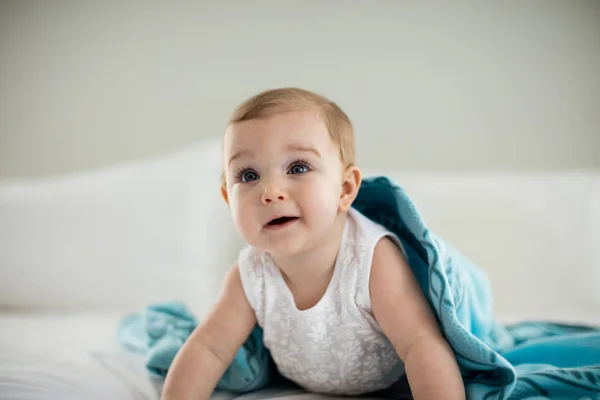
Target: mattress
(76, 356)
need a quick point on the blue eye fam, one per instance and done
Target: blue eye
(247, 175)
(299, 167)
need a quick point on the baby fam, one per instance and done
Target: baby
(341, 311)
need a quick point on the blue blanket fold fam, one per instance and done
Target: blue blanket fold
(160, 330)
(529, 360)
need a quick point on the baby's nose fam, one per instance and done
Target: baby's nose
(273, 192)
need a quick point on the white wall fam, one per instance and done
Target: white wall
(493, 85)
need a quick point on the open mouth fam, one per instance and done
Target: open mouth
(281, 221)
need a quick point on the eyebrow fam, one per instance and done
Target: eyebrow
(293, 147)
(297, 147)
(238, 155)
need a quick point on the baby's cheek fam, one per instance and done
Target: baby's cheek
(241, 220)
(324, 206)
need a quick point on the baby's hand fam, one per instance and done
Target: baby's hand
(210, 349)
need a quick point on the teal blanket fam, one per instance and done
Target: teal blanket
(530, 360)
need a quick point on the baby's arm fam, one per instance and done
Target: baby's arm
(209, 350)
(407, 320)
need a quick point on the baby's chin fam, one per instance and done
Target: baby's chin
(283, 248)
(281, 251)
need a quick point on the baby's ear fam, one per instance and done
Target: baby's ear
(224, 194)
(350, 185)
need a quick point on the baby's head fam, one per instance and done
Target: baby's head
(288, 172)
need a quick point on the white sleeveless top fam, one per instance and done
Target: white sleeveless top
(336, 346)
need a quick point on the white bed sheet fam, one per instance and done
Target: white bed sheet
(76, 356)
(68, 356)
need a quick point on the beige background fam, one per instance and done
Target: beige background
(489, 85)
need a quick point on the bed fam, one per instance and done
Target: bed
(79, 252)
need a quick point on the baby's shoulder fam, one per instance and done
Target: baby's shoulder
(253, 261)
(250, 255)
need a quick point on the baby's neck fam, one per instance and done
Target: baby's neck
(311, 270)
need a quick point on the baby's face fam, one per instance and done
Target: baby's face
(284, 181)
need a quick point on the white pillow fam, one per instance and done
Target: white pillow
(118, 238)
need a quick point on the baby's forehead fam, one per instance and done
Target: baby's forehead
(287, 121)
(293, 128)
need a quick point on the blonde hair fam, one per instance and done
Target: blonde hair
(277, 101)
